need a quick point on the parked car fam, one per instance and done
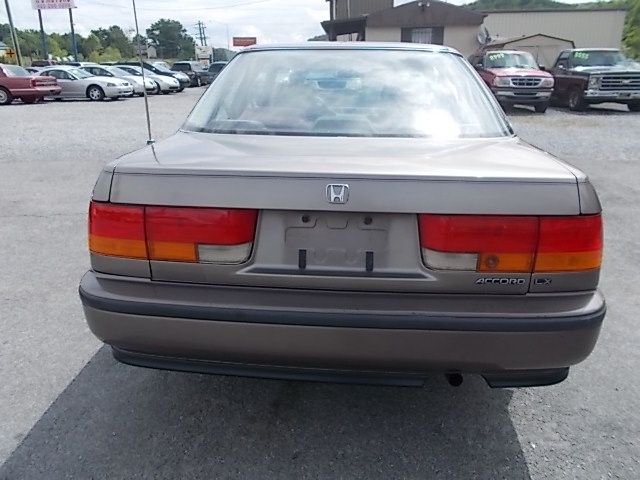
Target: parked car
(16, 82)
(336, 211)
(514, 77)
(586, 76)
(216, 67)
(162, 69)
(195, 71)
(43, 63)
(139, 86)
(163, 83)
(78, 83)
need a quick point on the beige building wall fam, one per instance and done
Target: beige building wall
(462, 37)
(544, 49)
(587, 29)
(382, 34)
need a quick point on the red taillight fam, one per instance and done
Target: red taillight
(117, 230)
(569, 243)
(208, 235)
(185, 234)
(511, 243)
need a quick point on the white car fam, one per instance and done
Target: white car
(78, 83)
(165, 83)
(114, 72)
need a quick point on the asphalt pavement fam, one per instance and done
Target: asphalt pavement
(69, 411)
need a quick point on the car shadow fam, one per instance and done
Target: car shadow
(116, 421)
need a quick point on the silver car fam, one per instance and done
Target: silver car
(164, 84)
(139, 87)
(78, 83)
(347, 212)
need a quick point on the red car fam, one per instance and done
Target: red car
(514, 77)
(16, 82)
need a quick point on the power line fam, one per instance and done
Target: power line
(194, 9)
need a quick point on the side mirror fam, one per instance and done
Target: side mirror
(561, 67)
(478, 65)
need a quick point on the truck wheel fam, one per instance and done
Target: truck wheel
(5, 97)
(541, 107)
(95, 93)
(634, 107)
(576, 100)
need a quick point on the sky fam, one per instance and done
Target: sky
(271, 21)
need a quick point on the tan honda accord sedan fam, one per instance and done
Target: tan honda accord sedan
(346, 212)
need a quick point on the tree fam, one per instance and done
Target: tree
(91, 45)
(631, 33)
(114, 37)
(171, 39)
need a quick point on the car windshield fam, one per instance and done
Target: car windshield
(510, 60)
(162, 66)
(181, 67)
(387, 93)
(118, 72)
(15, 71)
(79, 73)
(131, 70)
(599, 58)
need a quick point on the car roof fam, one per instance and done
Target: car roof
(492, 50)
(60, 67)
(596, 49)
(354, 46)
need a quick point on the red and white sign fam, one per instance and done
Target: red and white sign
(244, 41)
(53, 4)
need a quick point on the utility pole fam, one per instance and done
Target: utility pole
(74, 43)
(14, 37)
(201, 33)
(43, 38)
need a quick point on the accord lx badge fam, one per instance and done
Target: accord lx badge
(337, 193)
(500, 281)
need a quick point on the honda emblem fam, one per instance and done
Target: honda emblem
(337, 193)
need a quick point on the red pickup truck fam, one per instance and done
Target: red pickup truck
(514, 77)
(16, 82)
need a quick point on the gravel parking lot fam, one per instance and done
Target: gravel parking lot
(70, 411)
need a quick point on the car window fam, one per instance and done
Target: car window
(216, 68)
(15, 71)
(348, 93)
(181, 67)
(59, 74)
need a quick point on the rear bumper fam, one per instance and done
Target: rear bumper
(36, 92)
(279, 331)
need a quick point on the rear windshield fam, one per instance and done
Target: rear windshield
(15, 71)
(370, 93)
(181, 67)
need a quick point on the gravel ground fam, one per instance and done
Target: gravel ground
(70, 411)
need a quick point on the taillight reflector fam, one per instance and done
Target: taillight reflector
(488, 243)
(208, 235)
